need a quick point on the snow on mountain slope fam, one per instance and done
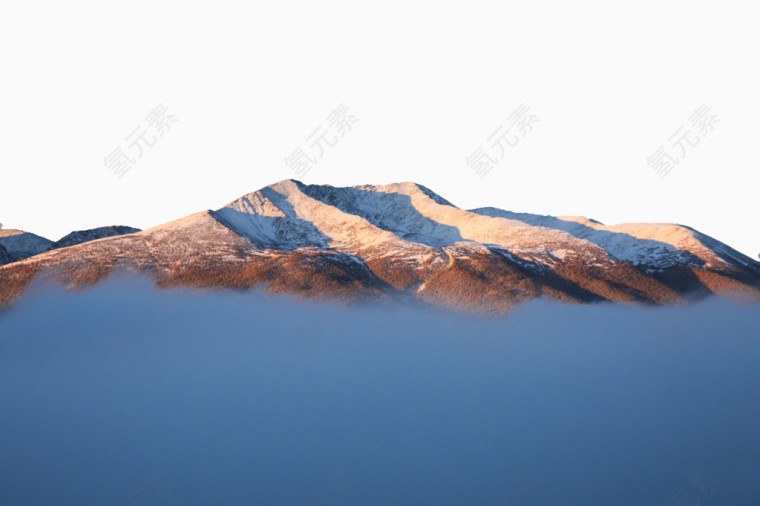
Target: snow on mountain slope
(392, 212)
(284, 217)
(270, 222)
(399, 240)
(533, 243)
(196, 236)
(20, 244)
(655, 245)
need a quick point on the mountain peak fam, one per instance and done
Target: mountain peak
(404, 239)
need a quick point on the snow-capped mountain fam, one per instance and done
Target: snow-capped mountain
(404, 241)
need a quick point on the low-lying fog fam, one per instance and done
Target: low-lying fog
(123, 394)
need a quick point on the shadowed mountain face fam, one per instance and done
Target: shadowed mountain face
(92, 234)
(401, 242)
(5, 257)
(19, 244)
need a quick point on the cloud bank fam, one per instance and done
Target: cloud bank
(127, 395)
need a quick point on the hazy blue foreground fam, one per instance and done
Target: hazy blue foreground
(125, 395)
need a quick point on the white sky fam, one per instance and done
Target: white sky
(429, 83)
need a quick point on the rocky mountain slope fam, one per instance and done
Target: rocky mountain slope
(401, 242)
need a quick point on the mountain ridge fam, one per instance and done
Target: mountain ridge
(18, 244)
(404, 240)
